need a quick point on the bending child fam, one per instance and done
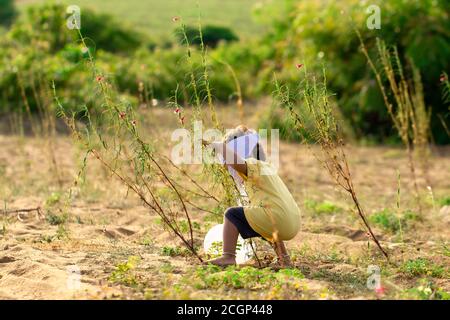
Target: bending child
(272, 212)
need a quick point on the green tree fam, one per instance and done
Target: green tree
(7, 12)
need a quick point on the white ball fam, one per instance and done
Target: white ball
(213, 245)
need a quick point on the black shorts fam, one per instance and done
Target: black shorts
(237, 218)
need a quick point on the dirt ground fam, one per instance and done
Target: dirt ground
(117, 248)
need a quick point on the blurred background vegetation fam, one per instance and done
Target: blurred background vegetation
(139, 46)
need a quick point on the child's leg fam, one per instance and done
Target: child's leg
(282, 254)
(230, 236)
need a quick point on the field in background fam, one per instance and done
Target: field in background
(155, 16)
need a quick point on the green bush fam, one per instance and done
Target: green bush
(211, 35)
(7, 12)
(40, 49)
(325, 207)
(423, 267)
(391, 222)
(316, 33)
(46, 24)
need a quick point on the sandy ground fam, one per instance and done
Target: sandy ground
(105, 226)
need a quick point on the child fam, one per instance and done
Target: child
(272, 213)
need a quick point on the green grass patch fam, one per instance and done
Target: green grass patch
(324, 207)
(444, 201)
(174, 251)
(55, 219)
(389, 221)
(427, 290)
(213, 277)
(422, 267)
(123, 273)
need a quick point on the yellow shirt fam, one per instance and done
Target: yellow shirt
(272, 212)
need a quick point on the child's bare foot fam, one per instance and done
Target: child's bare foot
(225, 260)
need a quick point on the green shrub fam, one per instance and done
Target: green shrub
(391, 222)
(7, 12)
(444, 201)
(211, 35)
(427, 290)
(174, 251)
(55, 219)
(47, 23)
(325, 207)
(213, 277)
(315, 32)
(40, 49)
(422, 267)
(124, 272)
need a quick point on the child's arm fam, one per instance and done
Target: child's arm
(231, 158)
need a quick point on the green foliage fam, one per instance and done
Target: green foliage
(40, 49)
(212, 35)
(47, 24)
(174, 251)
(427, 290)
(54, 198)
(55, 219)
(444, 201)
(325, 207)
(123, 272)
(391, 222)
(317, 32)
(276, 119)
(422, 267)
(7, 12)
(213, 277)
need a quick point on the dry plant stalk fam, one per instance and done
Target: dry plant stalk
(113, 138)
(201, 95)
(316, 116)
(409, 114)
(37, 210)
(446, 100)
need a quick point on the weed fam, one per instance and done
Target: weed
(61, 233)
(427, 290)
(167, 267)
(408, 111)
(422, 267)
(45, 238)
(213, 277)
(174, 251)
(444, 201)
(391, 222)
(325, 207)
(115, 140)
(318, 112)
(123, 272)
(55, 219)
